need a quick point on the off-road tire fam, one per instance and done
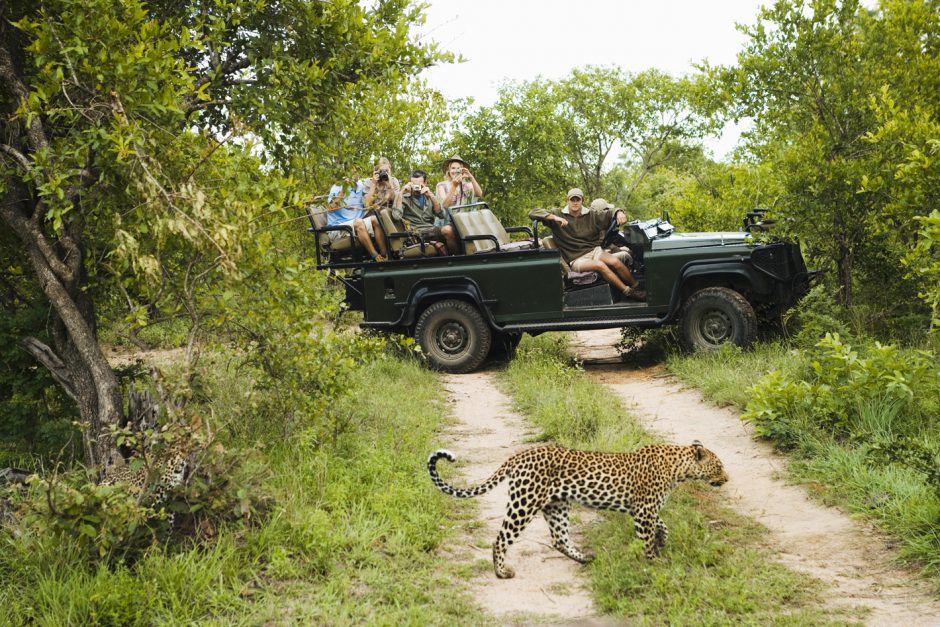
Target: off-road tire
(453, 335)
(714, 316)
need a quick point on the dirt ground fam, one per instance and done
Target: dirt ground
(844, 554)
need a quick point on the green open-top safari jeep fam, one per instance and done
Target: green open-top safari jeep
(461, 308)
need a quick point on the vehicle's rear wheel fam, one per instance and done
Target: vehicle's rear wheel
(453, 335)
(717, 315)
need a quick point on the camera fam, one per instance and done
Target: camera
(383, 175)
(416, 188)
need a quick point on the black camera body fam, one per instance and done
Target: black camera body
(383, 175)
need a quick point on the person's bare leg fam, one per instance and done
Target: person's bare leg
(606, 273)
(379, 236)
(620, 268)
(363, 236)
(451, 236)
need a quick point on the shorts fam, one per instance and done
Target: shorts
(593, 255)
(338, 234)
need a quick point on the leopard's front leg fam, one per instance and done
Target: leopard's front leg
(662, 532)
(557, 516)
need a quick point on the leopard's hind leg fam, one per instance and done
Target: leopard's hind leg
(519, 513)
(556, 513)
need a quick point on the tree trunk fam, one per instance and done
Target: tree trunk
(844, 263)
(76, 361)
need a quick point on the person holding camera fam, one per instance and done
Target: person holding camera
(382, 189)
(345, 207)
(459, 186)
(418, 208)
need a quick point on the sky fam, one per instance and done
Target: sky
(517, 40)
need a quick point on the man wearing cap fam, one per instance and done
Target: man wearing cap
(459, 186)
(416, 205)
(578, 232)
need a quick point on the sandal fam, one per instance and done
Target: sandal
(634, 293)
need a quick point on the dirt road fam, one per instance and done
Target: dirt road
(810, 537)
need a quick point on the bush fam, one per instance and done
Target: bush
(113, 524)
(646, 347)
(840, 382)
(815, 315)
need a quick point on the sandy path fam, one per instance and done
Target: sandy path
(810, 537)
(548, 587)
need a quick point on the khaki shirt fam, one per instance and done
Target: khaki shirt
(583, 233)
(411, 210)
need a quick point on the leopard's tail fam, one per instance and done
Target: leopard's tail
(461, 493)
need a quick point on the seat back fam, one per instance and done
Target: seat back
(400, 244)
(391, 226)
(483, 222)
(317, 217)
(343, 244)
(469, 223)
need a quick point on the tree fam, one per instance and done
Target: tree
(544, 136)
(811, 76)
(138, 143)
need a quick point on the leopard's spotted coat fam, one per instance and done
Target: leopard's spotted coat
(548, 478)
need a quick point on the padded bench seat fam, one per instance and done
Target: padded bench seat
(481, 231)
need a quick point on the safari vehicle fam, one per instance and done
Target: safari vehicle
(462, 308)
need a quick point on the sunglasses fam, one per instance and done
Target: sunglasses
(575, 199)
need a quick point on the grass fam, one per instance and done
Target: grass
(846, 471)
(353, 537)
(715, 569)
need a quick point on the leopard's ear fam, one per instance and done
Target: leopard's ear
(699, 449)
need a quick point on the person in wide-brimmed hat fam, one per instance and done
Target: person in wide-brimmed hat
(459, 186)
(578, 231)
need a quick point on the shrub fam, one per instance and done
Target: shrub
(116, 523)
(815, 315)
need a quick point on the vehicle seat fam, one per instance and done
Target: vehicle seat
(402, 243)
(571, 277)
(334, 249)
(478, 229)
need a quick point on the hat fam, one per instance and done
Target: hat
(599, 204)
(454, 159)
(574, 191)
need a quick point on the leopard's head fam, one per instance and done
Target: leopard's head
(706, 466)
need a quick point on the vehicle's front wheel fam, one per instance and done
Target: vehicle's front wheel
(714, 316)
(453, 335)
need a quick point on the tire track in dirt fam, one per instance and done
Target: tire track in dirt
(849, 557)
(548, 587)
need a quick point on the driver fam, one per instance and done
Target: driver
(578, 232)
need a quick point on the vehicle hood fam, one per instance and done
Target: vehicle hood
(699, 240)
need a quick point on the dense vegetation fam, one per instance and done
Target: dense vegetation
(152, 184)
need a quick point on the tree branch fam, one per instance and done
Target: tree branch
(45, 356)
(17, 156)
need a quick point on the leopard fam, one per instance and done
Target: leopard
(550, 478)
